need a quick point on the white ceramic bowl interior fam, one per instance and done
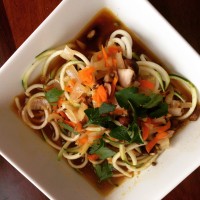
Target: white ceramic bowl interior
(38, 161)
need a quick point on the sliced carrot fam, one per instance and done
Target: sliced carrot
(119, 111)
(105, 56)
(78, 127)
(112, 50)
(164, 128)
(113, 86)
(93, 157)
(63, 115)
(100, 95)
(154, 141)
(146, 84)
(145, 131)
(49, 87)
(70, 85)
(70, 123)
(82, 140)
(86, 76)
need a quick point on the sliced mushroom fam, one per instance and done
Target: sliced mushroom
(125, 77)
(132, 64)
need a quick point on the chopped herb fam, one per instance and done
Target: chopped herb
(130, 134)
(141, 104)
(135, 133)
(159, 111)
(102, 151)
(95, 115)
(124, 95)
(155, 99)
(106, 108)
(120, 133)
(104, 171)
(53, 95)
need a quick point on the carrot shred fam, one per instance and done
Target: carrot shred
(100, 95)
(70, 123)
(153, 142)
(78, 127)
(146, 84)
(119, 111)
(164, 128)
(49, 87)
(105, 56)
(82, 140)
(113, 85)
(145, 131)
(112, 50)
(63, 115)
(69, 87)
(93, 157)
(86, 76)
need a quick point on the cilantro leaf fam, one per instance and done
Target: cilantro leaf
(135, 133)
(53, 95)
(106, 108)
(120, 133)
(155, 99)
(95, 147)
(102, 151)
(67, 127)
(103, 171)
(95, 117)
(124, 95)
(159, 111)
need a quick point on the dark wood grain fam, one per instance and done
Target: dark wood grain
(19, 18)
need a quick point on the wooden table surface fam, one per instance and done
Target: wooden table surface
(19, 18)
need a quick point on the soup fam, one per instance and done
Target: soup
(105, 103)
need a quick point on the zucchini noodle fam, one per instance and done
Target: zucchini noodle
(109, 109)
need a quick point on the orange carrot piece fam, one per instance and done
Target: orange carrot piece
(100, 95)
(86, 76)
(113, 85)
(145, 131)
(78, 127)
(63, 115)
(154, 141)
(49, 87)
(105, 56)
(69, 87)
(70, 123)
(82, 140)
(119, 111)
(164, 128)
(93, 157)
(113, 49)
(146, 84)
(60, 101)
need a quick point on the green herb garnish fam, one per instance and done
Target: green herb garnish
(95, 115)
(102, 151)
(104, 171)
(53, 95)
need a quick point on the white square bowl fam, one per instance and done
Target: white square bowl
(37, 161)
